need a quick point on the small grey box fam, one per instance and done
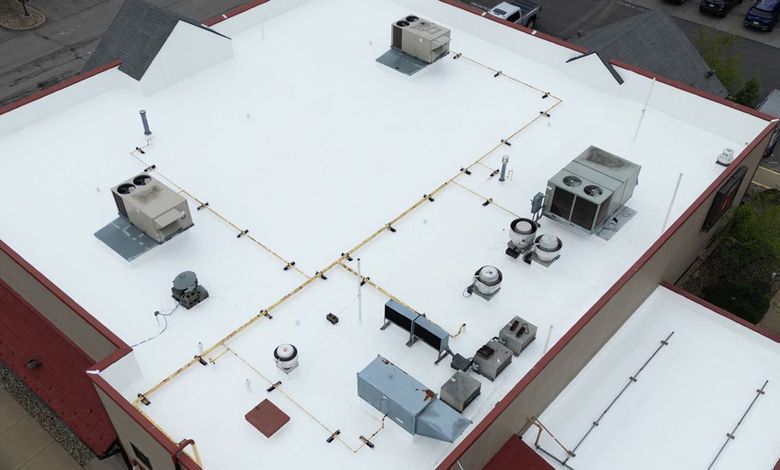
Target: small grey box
(491, 359)
(517, 335)
(460, 390)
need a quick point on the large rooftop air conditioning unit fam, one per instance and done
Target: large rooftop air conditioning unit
(420, 38)
(590, 189)
(152, 207)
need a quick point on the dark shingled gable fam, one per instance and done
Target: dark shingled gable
(136, 36)
(652, 41)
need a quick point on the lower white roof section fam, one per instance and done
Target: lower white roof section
(684, 402)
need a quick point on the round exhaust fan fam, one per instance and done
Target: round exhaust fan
(572, 181)
(411, 18)
(593, 190)
(141, 180)
(125, 188)
(402, 23)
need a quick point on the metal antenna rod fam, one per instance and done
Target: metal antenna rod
(644, 109)
(730, 436)
(671, 203)
(360, 293)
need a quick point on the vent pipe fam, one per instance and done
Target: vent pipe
(147, 132)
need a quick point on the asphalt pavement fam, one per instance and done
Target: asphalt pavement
(35, 59)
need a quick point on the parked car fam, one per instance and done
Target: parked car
(718, 7)
(524, 12)
(763, 15)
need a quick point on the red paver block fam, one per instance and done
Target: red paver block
(267, 418)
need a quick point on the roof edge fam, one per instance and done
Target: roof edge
(618, 63)
(723, 312)
(692, 90)
(233, 12)
(81, 76)
(542, 363)
(63, 297)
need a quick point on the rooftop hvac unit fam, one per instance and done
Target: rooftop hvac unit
(420, 38)
(590, 189)
(152, 207)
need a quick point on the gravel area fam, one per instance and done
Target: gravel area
(41, 413)
(12, 16)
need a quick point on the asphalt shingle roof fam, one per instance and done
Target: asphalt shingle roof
(771, 104)
(652, 41)
(136, 36)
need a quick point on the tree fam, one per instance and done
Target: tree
(747, 260)
(748, 95)
(717, 50)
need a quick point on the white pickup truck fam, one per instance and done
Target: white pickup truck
(523, 12)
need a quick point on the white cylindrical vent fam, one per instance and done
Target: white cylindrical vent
(726, 157)
(522, 232)
(548, 247)
(286, 356)
(488, 279)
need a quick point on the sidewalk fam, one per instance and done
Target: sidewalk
(25, 445)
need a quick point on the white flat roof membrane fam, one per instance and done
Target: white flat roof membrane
(684, 402)
(306, 141)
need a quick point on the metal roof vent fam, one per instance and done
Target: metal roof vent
(152, 207)
(187, 291)
(726, 157)
(591, 189)
(486, 283)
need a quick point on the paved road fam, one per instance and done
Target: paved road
(34, 59)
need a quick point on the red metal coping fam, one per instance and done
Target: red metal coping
(615, 62)
(57, 87)
(456, 454)
(692, 90)
(758, 329)
(233, 12)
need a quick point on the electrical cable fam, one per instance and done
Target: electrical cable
(165, 325)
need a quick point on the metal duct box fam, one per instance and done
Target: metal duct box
(420, 38)
(590, 189)
(491, 359)
(407, 402)
(460, 390)
(517, 335)
(152, 207)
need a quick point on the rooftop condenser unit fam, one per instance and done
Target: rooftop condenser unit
(152, 207)
(590, 189)
(420, 38)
